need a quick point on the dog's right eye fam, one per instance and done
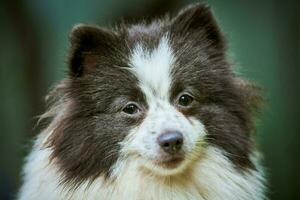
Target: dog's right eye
(131, 109)
(185, 100)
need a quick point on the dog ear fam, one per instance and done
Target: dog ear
(198, 23)
(89, 44)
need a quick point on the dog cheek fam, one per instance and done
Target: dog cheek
(195, 132)
(136, 142)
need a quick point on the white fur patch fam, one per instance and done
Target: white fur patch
(142, 141)
(153, 69)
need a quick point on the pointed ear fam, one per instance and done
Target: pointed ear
(197, 22)
(89, 44)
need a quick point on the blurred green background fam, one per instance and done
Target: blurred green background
(263, 35)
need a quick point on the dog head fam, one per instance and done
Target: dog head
(156, 94)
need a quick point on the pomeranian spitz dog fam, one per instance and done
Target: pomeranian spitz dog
(149, 111)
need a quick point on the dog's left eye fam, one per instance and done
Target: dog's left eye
(185, 100)
(131, 109)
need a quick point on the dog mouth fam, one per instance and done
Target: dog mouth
(170, 163)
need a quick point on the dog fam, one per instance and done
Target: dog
(150, 110)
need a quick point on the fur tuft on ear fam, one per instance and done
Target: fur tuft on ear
(197, 22)
(88, 45)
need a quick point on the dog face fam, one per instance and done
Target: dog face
(156, 94)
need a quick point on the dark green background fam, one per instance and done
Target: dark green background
(264, 38)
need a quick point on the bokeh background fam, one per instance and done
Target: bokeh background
(263, 35)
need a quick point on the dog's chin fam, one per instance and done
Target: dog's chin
(165, 167)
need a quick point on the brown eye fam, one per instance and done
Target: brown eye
(131, 109)
(185, 100)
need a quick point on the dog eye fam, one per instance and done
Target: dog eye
(131, 109)
(185, 100)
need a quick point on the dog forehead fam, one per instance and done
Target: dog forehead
(153, 67)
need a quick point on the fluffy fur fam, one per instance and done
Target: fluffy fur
(94, 149)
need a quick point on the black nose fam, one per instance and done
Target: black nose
(171, 142)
